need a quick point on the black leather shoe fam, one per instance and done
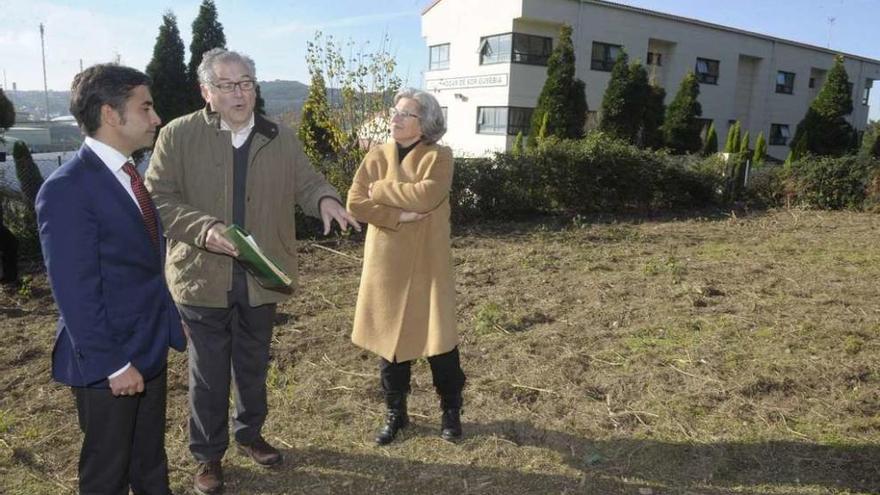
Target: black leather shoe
(208, 479)
(261, 452)
(395, 420)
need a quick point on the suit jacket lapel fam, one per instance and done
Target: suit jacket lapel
(107, 182)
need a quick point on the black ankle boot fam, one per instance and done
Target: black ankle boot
(396, 418)
(450, 422)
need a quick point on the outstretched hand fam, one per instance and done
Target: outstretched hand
(332, 210)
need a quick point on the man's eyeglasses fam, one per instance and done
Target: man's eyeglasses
(393, 112)
(229, 87)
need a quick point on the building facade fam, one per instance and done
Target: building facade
(487, 63)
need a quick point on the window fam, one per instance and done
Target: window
(495, 49)
(779, 134)
(785, 82)
(812, 82)
(503, 120)
(445, 111)
(519, 48)
(530, 49)
(438, 57)
(866, 93)
(604, 56)
(707, 70)
(655, 58)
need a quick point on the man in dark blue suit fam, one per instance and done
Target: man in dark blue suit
(103, 247)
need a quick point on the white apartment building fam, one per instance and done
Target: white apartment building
(487, 64)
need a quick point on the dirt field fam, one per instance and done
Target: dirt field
(604, 356)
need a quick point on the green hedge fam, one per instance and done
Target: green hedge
(597, 173)
(847, 182)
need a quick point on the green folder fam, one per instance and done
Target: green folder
(255, 261)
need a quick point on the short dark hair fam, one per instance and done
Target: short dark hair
(102, 84)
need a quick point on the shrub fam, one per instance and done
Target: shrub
(831, 182)
(598, 173)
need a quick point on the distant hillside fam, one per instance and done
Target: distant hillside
(280, 96)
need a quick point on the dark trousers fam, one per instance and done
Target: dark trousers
(445, 370)
(8, 254)
(226, 344)
(124, 440)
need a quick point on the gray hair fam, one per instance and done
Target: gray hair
(216, 56)
(432, 121)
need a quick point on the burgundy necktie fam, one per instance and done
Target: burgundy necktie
(143, 198)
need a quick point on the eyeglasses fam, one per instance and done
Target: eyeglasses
(393, 112)
(229, 87)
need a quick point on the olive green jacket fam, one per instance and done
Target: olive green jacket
(190, 180)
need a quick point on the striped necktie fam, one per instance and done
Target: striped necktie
(148, 210)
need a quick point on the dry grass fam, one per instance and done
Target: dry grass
(694, 356)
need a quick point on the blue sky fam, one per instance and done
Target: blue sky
(275, 32)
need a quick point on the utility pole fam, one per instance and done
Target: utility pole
(45, 83)
(830, 27)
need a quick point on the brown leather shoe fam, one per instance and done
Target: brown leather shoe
(209, 478)
(261, 452)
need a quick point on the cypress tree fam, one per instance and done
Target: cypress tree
(744, 143)
(760, 150)
(733, 139)
(652, 121)
(207, 33)
(824, 128)
(168, 72)
(260, 104)
(615, 119)
(562, 100)
(871, 140)
(625, 104)
(7, 112)
(681, 129)
(517, 149)
(29, 177)
(710, 145)
(316, 130)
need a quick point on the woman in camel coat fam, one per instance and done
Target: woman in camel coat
(406, 302)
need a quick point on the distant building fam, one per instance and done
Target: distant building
(487, 64)
(60, 134)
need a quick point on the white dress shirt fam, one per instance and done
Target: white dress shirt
(240, 136)
(113, 160)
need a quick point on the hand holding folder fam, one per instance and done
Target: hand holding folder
(267, 273)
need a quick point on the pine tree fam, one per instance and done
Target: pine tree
(760, 150)
(681, 129)
(207, 33)
(824, 129)
(710, 145)
(29, 177)
(733, 139)
(316, 130)
(652, 121)
(7, 112)
(562, 99)
(168, 72)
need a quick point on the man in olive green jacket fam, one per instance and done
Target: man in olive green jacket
(211, 168)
